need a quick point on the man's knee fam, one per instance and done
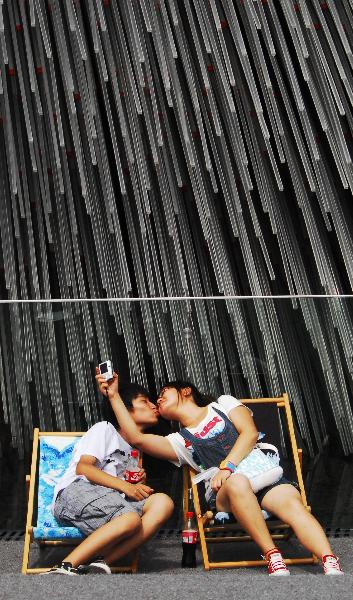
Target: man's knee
(132, 521)
(161, 504)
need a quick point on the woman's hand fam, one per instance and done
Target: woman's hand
(219, 479)
(137, 491)
(110, 388)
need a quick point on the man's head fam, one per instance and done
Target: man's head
(137, 400)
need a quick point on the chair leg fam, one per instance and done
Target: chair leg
(26, 551)
(200, 523)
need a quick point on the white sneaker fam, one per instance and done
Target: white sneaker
(65, 568)
(331, 565)
(98, 565)
(275, 564)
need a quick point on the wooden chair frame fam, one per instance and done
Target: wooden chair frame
(30, 492)
(203, 520)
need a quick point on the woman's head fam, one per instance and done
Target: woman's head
(174, 394)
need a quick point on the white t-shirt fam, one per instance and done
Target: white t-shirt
(104, 443)
(211, 425)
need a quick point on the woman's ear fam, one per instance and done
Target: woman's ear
(186, 391)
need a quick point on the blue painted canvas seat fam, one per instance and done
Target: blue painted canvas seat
(54, 457)
(51, 455)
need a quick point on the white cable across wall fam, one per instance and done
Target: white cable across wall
(178, 177)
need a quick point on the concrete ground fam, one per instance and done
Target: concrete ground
(161, 576)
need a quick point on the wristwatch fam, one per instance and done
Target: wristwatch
(228, 466)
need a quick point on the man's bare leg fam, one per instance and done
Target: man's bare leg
(114, 531)
(157, 509)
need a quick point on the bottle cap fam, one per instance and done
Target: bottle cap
(134, 453)
(189, 514)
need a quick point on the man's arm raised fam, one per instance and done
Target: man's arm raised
(155, 445)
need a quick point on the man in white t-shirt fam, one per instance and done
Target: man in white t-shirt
(93, 495)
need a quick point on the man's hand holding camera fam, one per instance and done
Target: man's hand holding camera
(109, 388)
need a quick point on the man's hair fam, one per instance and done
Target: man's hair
(128, 392)
(199, 398)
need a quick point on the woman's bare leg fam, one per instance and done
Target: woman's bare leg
(284, 501)
(237, 497)
(157, 509)
(117, 529)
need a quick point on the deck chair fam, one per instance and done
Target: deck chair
(272, 416)
(51, 455)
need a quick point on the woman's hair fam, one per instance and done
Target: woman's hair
(199, 398)
(128, 392)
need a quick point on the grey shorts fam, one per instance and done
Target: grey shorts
(87, 506)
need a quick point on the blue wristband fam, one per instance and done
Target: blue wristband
(229, 466)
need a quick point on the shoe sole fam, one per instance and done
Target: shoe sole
(60, 572)
(97, 568)
(279, 574)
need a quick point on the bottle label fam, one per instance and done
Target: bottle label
(189, 536)
(132, 476)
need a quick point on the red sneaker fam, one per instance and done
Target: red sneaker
(331, 565)
(275, 563)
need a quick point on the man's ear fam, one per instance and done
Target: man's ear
(186, 391)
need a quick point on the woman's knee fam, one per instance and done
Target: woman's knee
(238, 485)
(283, 497)
(289, 509)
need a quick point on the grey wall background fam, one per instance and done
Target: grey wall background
(176, 148)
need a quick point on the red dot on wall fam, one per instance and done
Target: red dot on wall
(12, 71)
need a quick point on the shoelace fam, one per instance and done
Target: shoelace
(66, 566)
(275, 562)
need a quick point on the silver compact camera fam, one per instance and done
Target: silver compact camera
(106, 369)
